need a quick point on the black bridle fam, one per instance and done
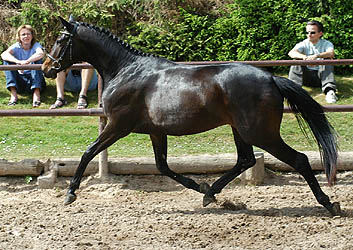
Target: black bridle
(68, 46)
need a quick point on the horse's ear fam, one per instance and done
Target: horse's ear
(66, 24)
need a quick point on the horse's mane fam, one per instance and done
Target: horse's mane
(116, 39)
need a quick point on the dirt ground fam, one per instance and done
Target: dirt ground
(153, 212)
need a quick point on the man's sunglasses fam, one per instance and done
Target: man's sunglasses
(311, 32)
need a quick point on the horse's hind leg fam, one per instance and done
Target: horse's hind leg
(246, 159)
(108, 136)
(159, 143)
(300, 163)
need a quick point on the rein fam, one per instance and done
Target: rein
(68, 45)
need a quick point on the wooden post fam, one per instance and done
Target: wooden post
(103, 156)
(103, 167)
(255, 175)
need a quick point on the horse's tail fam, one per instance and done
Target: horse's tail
(308, 110)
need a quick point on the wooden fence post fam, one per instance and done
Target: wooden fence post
(103, 166)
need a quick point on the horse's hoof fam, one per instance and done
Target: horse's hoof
(336, 209)
(69, 198)
(204, 188)
(208, 200)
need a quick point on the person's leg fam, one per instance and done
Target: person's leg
(327, 78)
(37, 80)
(93, 85)
(86, 75)
(13, 96)
(36, 97)
(304, 76)
(37, 84)
(12, 80)
(328, 83)
(311, 78)
(60, 82)
(86, 82)
(296, 74)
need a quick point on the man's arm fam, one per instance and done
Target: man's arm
(327, 54)
(295, 54)
(330, 53)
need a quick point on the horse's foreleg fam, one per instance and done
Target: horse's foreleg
(108, 136)
(246, 159)
(159, 143)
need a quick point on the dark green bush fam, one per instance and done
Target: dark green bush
(249, 30)
(269, 29)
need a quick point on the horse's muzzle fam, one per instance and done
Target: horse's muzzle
(50, 74)
(48, 70)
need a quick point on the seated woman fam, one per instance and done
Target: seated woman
(25, 51)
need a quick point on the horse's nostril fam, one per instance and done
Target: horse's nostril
(49, 74)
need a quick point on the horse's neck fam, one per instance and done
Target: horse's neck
(106, 65)
(107, 61)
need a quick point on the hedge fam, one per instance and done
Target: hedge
(177, 30)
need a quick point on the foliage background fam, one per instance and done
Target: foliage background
(192, 30)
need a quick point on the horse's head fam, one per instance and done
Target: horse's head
(60, 57)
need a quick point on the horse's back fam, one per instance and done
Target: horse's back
(199, 98)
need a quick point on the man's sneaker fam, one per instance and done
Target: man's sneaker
(331, 97)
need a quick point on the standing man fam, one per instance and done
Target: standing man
(314, 48)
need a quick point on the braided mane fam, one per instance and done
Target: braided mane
(116, 39)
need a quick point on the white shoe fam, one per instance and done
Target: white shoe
(331, 97)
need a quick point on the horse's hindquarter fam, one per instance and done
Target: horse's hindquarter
(255, 102)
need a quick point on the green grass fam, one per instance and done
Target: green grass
(54, 137)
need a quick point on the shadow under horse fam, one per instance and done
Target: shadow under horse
(143, 93)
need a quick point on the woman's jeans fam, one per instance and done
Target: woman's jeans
(26, 82)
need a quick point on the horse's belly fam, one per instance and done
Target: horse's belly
(182, 122)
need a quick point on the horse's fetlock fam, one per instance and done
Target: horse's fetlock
(323, 200)
(73, 186)
(204, 188)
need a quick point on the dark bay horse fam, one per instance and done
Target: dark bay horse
(146, 94)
